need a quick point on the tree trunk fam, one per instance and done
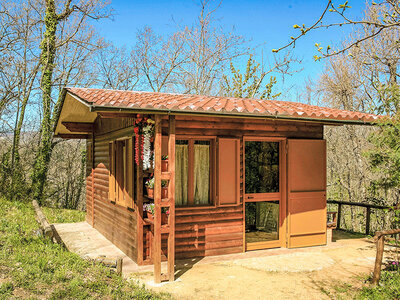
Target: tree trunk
(47, 57)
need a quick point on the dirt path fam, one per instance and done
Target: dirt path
(318, 273)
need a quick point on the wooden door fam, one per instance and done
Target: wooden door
(306, 193)
(264, 189)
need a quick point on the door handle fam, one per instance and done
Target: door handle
(250, 197)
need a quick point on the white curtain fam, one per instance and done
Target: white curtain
(181, 175)
(201, 174)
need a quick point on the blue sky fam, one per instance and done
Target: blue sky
(267, 23)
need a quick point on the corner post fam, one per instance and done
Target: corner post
(157, 200)
(171, 199)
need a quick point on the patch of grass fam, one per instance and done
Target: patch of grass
(389, 287)
(58, 215)
(36, 268)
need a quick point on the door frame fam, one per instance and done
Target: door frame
(282, 194)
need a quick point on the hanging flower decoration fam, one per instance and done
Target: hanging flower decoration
(144, 131)
(148, 132)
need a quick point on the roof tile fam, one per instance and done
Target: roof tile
(229, 105)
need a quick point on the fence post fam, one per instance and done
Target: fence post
(368, 221)
(339, 214)
(380, 244)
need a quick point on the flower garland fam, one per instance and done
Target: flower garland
(147, 135)
(144, 131)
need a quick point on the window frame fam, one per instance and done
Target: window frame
(212, 194)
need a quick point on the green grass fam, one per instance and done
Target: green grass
(33, 267)
(389, 287)
(58, 215)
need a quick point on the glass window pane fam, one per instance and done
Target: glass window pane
(201, 172)
(261, 167)
(262, 221)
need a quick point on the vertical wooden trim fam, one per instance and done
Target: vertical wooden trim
(283, 192)
(243, 178)
(157, 200)
(244, 192)
(139, 206)
(129, 175)
(111, 171)
(171, 198)
(191, 172)
(119, 157)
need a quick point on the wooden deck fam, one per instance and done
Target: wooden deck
(82, 239)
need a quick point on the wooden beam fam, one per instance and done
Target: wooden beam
(112, 115)
(72, 136)
(157, 200)
(79, 126)
(171, 198)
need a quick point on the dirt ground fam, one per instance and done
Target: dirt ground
(314, 273)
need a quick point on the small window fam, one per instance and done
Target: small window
(193, 164)
(118, 172)
(261, 167)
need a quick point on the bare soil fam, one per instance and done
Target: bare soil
(317, 273)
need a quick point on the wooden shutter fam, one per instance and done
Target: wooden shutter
(111, 167)
(228, 171)
(129, 171)
(306, 193)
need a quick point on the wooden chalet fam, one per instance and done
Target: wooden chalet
(241, 174)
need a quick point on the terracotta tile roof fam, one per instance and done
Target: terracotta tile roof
(102, 98)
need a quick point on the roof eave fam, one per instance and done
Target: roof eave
(98, 108)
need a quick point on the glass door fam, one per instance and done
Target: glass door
(262, 193)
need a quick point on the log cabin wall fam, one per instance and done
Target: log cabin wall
(117, 223)
(200, 231)
(218, 230)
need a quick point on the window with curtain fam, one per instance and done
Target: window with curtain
(193, 160)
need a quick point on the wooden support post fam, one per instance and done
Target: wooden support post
(339, 215)
(380, 244)
(157, 200)
(368, 221)
(139, 207)
(171, 199)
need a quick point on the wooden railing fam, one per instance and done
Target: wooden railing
(367, 206)
(380, 245)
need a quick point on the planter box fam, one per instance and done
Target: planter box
(164, 193)
(164, 217)
(164, 165)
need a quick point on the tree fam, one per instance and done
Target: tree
(49, 46)
(363, 170)
(387, 19)
(249, 84)
(117, 68)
